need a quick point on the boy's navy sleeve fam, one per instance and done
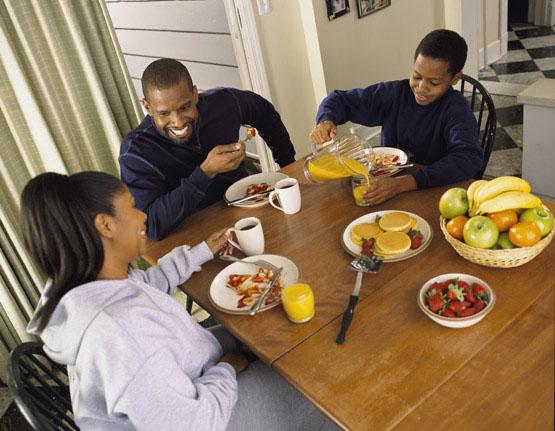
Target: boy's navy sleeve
(366, 106)
(165, 208)
(464, 157)
(257, 112)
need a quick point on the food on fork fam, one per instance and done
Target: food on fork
(251, 133)
(254, 189)
(250, 286)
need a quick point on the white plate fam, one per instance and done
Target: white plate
(238, 189)
(225, 299)
(403, 158)
(355, 249)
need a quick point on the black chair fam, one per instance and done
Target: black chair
(40, 388)
(480, 98)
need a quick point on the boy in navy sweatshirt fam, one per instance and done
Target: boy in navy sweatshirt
(422, 116)
(186, 152)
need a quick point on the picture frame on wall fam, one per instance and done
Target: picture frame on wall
(337, 8)
(366, 7)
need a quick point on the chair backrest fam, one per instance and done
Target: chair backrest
(40, 388)
(479, 100)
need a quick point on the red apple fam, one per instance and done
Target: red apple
(480, 232)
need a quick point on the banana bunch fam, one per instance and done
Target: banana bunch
(499, 194)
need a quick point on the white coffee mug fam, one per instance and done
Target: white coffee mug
(250, 236)
(288, 194)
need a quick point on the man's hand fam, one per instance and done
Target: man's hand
(236, 359)
(217, 242)
(323, 132)
(384, 188)
(223, 158)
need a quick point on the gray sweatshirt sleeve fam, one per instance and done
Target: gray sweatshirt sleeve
(173, 401)
(174, 268)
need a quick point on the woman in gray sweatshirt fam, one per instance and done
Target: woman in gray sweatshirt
(135, 359)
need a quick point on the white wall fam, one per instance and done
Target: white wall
(195, 32)
(378, 47)
(285, 56)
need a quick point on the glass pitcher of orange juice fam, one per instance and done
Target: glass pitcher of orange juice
(339, 158)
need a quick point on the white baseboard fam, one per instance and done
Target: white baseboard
(493, 53)
(504, 43)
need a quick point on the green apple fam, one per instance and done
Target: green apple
(453, 203)
(504, 242)
(480, 232)
(542, 218)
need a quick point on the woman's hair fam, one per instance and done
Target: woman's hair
(57, 214)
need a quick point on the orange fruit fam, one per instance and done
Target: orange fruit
(524, 234)
(504, 219)
(455, 226)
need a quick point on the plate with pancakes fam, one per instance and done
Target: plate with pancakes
(391, 232)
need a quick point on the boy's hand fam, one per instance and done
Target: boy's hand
(223, 158)
(217, 242)
(323, 132)
(384, 188)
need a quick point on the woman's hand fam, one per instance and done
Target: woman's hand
(236, 359)
(384, 188)
(323, 132)
(218, 244)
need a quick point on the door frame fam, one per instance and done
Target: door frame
(252, 69)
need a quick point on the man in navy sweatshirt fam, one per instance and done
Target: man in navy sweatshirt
(422, 115)
(186, 152)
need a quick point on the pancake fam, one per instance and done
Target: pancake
(392, 243)
(414, 223)
(364, 231)
(396, 222)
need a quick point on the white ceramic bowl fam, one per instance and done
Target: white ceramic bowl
(456, 322)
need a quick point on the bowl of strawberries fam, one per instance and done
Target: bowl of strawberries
(456, 300)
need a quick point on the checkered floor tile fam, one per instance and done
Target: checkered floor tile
(530, 56)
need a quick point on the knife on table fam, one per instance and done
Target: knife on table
(348, 314)
(246, 198)
(256, 306)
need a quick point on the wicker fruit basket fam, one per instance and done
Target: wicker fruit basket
(496, 258)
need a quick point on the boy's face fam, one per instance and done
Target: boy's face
(430, 79)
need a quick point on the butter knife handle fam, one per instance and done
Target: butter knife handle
(347, 319)
(254, 309)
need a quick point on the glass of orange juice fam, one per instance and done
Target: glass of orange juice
(298, 302)
(359, 184)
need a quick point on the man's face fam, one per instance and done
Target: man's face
(174, 111)
(430, 79)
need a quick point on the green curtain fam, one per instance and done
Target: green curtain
(66, 100)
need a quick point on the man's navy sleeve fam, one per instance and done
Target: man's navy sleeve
(166, 206)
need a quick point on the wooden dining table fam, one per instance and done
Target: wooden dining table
(397, 368)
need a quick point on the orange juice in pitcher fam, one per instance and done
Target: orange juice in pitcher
(340, 158)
